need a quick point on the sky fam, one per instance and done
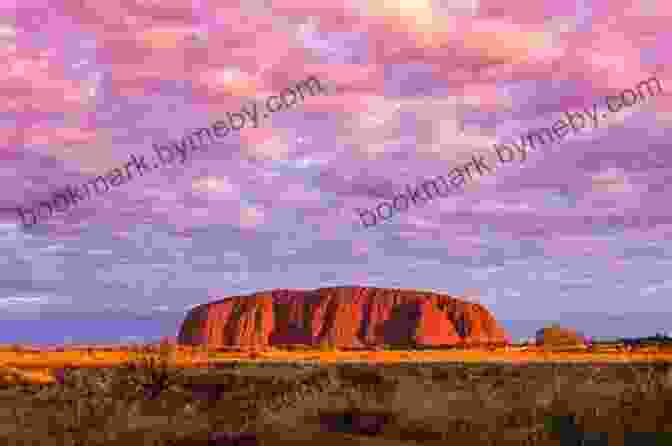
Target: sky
(413, 88)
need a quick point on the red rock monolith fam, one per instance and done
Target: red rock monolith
(346, 317)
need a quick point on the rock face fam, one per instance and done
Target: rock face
(350, 317)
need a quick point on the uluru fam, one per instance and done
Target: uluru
(345, 317)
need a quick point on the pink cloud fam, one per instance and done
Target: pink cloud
(251, 217)
(11, 137)
(333, 16)
(346, 102)
(347, 77)
(229, 82)
(607, 68)
(119, 14)
(131, 39)
(611, 180)
(33, 80)
(267, 144)
(253, 136)
(259, 64)
(42, 135)
(536, 12)
(217, 187)
(483, 94)
(498, 207)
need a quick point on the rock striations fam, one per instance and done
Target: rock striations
(346, 317)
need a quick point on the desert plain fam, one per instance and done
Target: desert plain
(176, 395)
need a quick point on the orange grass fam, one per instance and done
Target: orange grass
(37, 367)
(33, 376)
(187, 358)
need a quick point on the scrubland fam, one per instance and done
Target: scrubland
(181, 396)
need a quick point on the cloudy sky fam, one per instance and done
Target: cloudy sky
(413, 88)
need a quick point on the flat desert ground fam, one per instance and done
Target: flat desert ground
(387, 398)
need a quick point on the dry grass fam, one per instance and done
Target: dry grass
(187, 357)
(151, 401)
(168, 396)
(11, 376)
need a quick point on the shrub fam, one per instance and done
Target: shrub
(16, 348)
(166, 349)
(152, 376)
(556, 336)
(326, 346)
